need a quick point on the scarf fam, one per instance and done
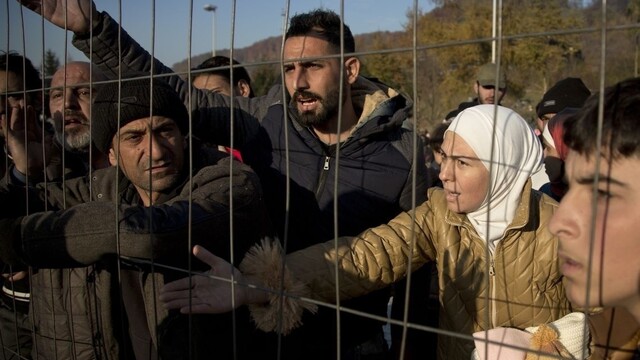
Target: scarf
(511, 152)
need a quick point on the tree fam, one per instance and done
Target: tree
(263, 78)
(392, 68)
(540, 61)
(455, 38)
(51, 63)
(452, 42)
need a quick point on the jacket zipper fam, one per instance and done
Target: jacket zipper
(323, 176)
(492, 269)
(492, 280)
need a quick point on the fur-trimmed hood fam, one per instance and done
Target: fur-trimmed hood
(372, 99)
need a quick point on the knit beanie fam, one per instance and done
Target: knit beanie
(569, 92)
(137, 99)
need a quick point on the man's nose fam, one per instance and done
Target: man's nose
(155, 147)
(70, 99)
(300, 80)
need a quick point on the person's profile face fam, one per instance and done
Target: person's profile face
(597, 228)
(464, 177)
(542, 121)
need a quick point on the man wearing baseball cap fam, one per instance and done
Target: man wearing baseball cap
(491, 84)
(112, 233)
(490, 87)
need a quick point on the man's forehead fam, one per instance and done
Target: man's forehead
(213, 82)
(307, 47)
(71, 75)
(144, 124)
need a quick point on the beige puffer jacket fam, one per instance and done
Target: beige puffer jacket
(519, 286)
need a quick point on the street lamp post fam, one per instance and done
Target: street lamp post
(212, 8)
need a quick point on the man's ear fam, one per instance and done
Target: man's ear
(352, 69)
(244, 89)
(476, 87)
(113, 158)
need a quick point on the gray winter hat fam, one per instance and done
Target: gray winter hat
(136, 101)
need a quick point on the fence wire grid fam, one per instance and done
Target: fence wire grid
(602, 49)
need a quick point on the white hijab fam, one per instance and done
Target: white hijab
(516, 154)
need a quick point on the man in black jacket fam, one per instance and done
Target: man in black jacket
(333, 149)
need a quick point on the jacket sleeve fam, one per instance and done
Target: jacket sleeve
(373, 260)
(116, 54)
(358, 265)
(22, 200)
(85, 233)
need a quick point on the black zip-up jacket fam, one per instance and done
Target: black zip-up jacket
(375, 169)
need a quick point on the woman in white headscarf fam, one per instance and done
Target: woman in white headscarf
(486, 230)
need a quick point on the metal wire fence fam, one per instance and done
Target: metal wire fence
(81, 282)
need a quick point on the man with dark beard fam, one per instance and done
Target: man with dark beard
(328, 168)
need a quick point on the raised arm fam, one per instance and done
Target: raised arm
(116, 53)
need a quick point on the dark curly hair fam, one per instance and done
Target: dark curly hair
(323, 24)
(15, 63)
(620, 126)
(214, 64)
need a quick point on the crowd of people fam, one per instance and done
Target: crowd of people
(149, 215)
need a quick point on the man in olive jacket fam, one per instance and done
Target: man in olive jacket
(147, 209)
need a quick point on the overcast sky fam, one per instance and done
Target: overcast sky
(254, 21)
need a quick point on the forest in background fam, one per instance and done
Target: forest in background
(542, 42)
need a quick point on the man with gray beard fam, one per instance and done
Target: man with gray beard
(72, 89)
(66, 157)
